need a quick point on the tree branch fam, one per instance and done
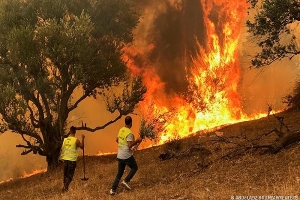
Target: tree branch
(86, 94)
(63, 112)
(30, 148)
(46, 104)
(28, 95)
(34, 122)
(84, 127)
(30, 134)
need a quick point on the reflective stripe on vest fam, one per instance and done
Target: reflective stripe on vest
(122, 135)
(69, 149)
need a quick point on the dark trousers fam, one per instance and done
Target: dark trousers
(130, 162)
(69, 170)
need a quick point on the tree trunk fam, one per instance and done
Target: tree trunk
(52, 159)
(286, 140)
(52, 145)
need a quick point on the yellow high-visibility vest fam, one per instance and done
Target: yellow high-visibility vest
(122, 135)
(69, 149)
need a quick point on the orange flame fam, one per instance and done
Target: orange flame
(8, 180)
(37, 171)
(213, 76)
(26, 175)
(100, 153)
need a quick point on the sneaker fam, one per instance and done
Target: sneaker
(126, 185)
(64, 190)
(112, 192)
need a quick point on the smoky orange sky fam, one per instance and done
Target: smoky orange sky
(171, 43)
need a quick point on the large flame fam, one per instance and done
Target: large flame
(213, 73)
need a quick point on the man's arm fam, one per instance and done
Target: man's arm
(80, 144)
(133, 143)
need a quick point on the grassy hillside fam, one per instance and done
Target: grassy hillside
(202, 167)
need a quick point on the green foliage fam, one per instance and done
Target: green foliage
(50, 48)
(153, 123)
(271, 23)
(147, 130)
(252, 2)
(126, 102)
(293, 101)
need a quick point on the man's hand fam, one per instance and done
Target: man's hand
(134, 148)
(139, 140)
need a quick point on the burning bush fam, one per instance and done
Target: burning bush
(147, 130)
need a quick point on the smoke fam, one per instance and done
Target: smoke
(165, 42)
(266, 86)
(169, 36)
(13, 164)
(173, 29)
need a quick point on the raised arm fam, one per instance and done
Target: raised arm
(80, 144)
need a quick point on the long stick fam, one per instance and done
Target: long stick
(84, 178)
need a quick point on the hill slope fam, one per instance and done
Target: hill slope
(198, 167)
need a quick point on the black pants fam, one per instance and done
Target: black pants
(130, 162)
(69, 170)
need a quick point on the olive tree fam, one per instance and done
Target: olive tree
(49, 49)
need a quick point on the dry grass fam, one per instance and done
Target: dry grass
(250, 174)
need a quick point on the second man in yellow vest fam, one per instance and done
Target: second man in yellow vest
(125, 157)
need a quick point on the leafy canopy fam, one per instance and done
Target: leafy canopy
(50, 48)
(272, 26)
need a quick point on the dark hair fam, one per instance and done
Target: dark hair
(72, 129)
(128, 120)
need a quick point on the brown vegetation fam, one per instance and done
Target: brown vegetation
(198, 167)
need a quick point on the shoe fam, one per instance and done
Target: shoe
(64, 190)
(112, 192)
(126, 185)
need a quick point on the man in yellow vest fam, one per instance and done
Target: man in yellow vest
(69, 154)
(126, 146)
